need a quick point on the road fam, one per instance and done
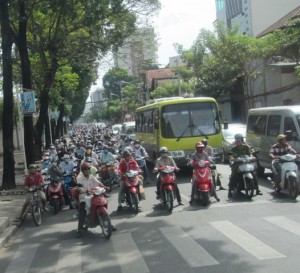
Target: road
(238, 235)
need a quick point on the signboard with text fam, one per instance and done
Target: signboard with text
(28, 102)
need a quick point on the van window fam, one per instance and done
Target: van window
(289, 125)
(274, 125)
(257, 124)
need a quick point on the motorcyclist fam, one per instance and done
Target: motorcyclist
(198, 155)
(127, 163)
(67, 165)
(239, 149)
(46, 163)
(209, 150)
(79, 150)
(34, 178)
(139, 151)
(165, 160)
(278, 149)
(86, 181)
(52, 153)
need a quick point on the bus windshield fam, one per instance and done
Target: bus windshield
(190, 120)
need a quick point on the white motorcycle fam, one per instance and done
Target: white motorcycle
(289, 170)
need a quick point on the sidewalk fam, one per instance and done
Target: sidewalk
(11, 201)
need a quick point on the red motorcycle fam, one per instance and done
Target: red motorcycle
(93, 211)
(202, 179)
(55, 194)
(167, 186)
(133, 191)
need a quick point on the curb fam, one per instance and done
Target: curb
(12, 192)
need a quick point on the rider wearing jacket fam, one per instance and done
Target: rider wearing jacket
(278, 149)
(127, 163)
(198, 155)
(166, 160)
(239, 149)
(139, 151)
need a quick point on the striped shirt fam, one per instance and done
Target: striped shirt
(279, 149)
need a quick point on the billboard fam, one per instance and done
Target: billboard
(28, 102)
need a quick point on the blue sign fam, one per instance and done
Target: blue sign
(28, 102)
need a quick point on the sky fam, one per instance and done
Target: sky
(180, 21)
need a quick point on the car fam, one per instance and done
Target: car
(228, 137)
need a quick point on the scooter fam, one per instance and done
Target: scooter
(167, 186)
(134, 192)
(202, 179)
(55, 194)
(246, 169)
(289, 170)
(93, 211)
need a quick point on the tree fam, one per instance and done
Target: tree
(8, 179)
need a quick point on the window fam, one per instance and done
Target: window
(257, 124)
(274, 125)
(289, 125)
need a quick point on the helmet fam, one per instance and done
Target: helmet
(105, 147)
(71, 147)
(126, 153)
(88, 152)
(238, 137)
(32, 166)
(66, 156)
(280, 137)
(204, 141)
(109, 144)
(85, 166)
(128, 149)
(163, 150)
(199, 145)
(52, 147)
(88, 159)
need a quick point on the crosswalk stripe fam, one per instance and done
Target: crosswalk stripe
(22, 258)
(246, 241)
(128, 255)
(192, 253)
(284, 223)
(69, 258)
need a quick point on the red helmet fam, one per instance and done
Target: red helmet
(85, 166)
(199, 145)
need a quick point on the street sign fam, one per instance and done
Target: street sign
(28, 102)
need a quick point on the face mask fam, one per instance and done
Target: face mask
(137, 146)
(67, 160)
(105, 151)
(164, 155)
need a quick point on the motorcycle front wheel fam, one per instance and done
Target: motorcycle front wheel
(169, 200)
(105, 225)
(55, 205)
(135, 202)
(293, 187)
(204, 196)
(36, 215)
(249, 187)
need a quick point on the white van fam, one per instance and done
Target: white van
(264, 124)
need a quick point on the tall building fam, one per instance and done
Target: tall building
(253, 16)
(139, 48)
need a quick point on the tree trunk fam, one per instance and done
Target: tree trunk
(8, 179)
(26, 80)
(59, 126)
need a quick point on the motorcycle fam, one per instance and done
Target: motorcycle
(202, 179)
(108, 174)
(55, 194)
(289, 170)
(35, 205)
(214, 173)
(93, 211)
(134, 192)
(246, 174)
(140, 160)
(167, 186)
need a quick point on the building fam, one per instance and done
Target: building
(253, 16)
(138, 50)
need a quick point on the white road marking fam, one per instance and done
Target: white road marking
(246, 241)
(22, 259)
(128, 255)
(191, 252)
(284, 223)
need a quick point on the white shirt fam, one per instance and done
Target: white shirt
(89, 182)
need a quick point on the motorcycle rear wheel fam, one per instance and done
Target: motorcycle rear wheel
(169, 200)
(293, 187)
(36, 215)
(105, 225)
(249, 188)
